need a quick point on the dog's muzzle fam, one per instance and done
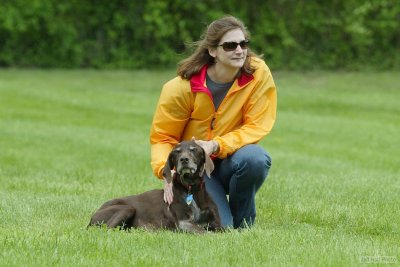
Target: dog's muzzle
(184, 171)
(186, 166)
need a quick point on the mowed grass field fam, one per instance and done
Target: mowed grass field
(70, 140)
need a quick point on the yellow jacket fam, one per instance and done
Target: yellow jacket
(185, 109)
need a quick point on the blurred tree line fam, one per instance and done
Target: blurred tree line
(302, 34)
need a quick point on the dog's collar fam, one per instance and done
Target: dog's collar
(194, 188)
(190, 187)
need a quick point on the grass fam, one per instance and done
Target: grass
(69, 140)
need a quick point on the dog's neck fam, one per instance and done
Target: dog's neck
(188, 188)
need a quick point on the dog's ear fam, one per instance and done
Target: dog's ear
(208, 166)
(169, 166)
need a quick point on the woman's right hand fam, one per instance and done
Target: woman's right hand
(168, 193)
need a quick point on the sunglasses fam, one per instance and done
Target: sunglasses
(231, 46)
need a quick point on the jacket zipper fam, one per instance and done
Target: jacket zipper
(212, 124)
(215, 111)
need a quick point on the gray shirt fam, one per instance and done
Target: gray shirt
(218, 90)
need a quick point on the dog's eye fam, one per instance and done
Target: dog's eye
(178, 149)
(191, 148)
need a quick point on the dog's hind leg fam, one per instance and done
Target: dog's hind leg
(122, 217)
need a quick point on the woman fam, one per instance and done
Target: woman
(225, 97)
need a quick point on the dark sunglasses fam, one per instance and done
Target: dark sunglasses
(231, 46)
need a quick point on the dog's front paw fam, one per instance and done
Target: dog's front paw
(214, 227)
(189, 227)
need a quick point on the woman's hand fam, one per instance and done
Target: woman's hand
(168, 193)
(210, 147)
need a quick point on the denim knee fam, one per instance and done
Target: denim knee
(252, 162)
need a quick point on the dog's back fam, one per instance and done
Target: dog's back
(146, 210)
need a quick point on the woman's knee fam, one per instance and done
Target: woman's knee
(254, 159)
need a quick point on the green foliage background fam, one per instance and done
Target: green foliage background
(351, 34)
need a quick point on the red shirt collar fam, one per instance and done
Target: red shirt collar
(197, 82)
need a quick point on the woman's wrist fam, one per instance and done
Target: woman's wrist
(215, 147)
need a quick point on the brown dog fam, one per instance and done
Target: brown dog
(148, 210)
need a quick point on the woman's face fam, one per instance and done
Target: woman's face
(230, 59)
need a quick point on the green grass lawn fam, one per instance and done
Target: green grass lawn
(70, 140)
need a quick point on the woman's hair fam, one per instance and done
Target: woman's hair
(210, 39)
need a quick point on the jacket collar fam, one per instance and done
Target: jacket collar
(198, 81)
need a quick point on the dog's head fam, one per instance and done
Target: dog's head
(189, 161)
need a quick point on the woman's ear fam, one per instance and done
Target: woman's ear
(212, 51)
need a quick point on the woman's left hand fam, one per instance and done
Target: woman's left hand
(210, 147)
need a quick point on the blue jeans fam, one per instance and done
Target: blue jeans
(239, 176)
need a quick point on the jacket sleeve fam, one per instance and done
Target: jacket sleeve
(259, 115)
(170, 118)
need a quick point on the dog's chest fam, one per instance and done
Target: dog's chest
(186, 208)
(191, 203)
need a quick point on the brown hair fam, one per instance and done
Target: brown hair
(209, 39)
